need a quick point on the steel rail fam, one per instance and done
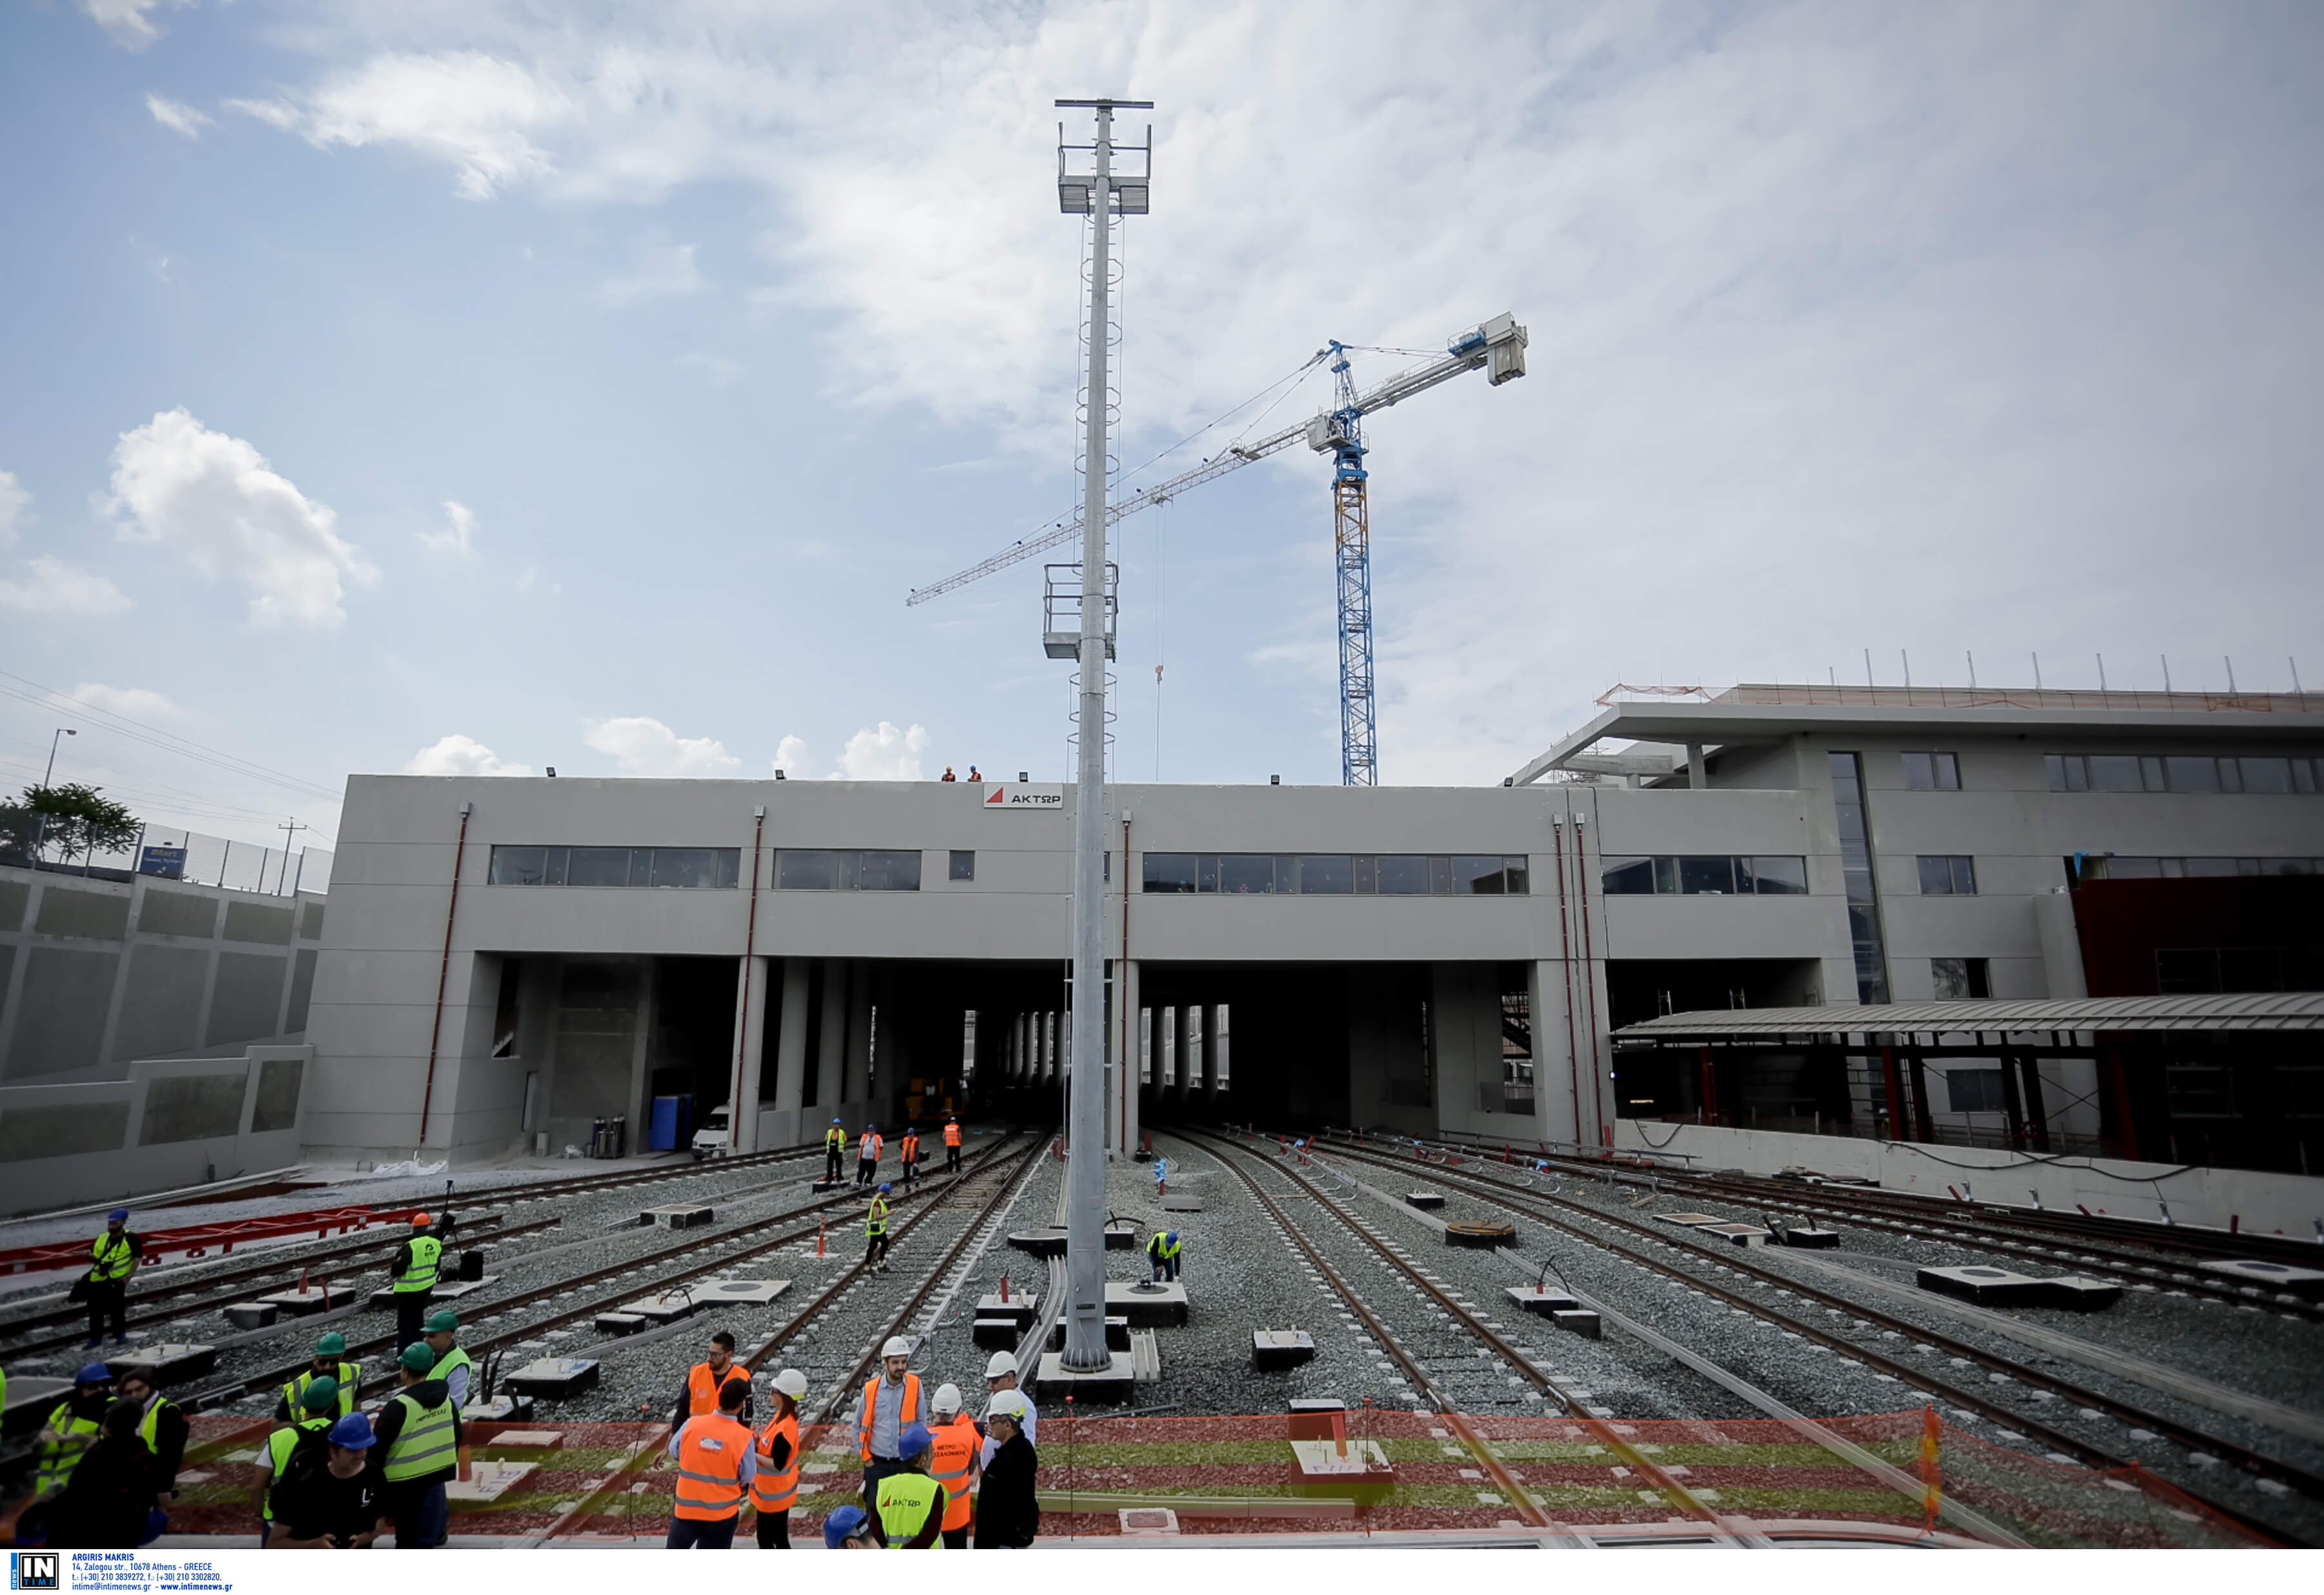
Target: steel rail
(620, 1179)
(2193, 1440)
(1678, 1494)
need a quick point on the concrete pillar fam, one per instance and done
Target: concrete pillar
(1695, 778)
(640, 1047)
(1214, 1055)
(831, 1039)
(859, 1033)
(1194, 1073)
(790, 1044)
(1122, 1105)
(1554, 1089)
(751, 1040)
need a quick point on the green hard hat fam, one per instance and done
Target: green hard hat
(443, 1321)
(321, 1396)
(333, 1344)
(418, 1357)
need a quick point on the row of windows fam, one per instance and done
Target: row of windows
(616, 866)
(2180, 972)
(1337, 875)
(2135, 867)
(2173, 772)
(851, 869)
(1706, 875)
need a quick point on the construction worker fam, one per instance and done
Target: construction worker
(414, 1271)
(875, 1232)
(909, 1150)
(162, 1424)
(716, 1461)
(847, 1529)
(330, 1500)
(953, 1464)
(890, 1404)
(420, 1430)
(107, 1504)
(454, 1366)
(999, 1379)
(952, 1146)
(703, 1382)
(73, 1426)
(330, 1363)
(1162, 1252)
(867, 1154)
(835, 1149)
(908, 1513)
(1007, 1508)
(1161, 1177)
(774, 1488)
(318, 1406)
(112, 1257)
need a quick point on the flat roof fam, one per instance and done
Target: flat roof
(2252, 1010)
(1764, 712)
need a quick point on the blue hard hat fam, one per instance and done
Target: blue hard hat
(844, 1524)
(885, 1187)
(353, 1432)
(915, 1440)
(1172, 1236)
(835, 1122)
(119, 1215)
(93, 1373)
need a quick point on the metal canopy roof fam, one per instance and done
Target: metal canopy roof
(2257, 1011)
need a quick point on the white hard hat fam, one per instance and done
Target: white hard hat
(1001, 1362)
(896, 1346)
(1009, 1404)
(791, 1382)
(947, 1398)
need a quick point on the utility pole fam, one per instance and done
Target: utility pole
(290, 829)
(1086, 1348)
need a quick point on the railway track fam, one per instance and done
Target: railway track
(1604, 1231)
(1721, 1528)
(1012, 1170)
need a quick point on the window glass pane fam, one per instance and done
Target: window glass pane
(729, 866)
(2201, 1090)
(1843, 776)
(1168, 872)
(2192, 775)
(887, 871)
(1964, 875)
(2303, 776)
(1366, 875)
(1477, 875)
(682, 866)
(554, 873)
(1948, 772)
(2054, 766)
(1327, 875)
(1206, 872)
(2150, 771)
(801, 869)
(1517, 875)
(641, 866)
(2231, 774)
(1246, 872)
(1705, 876)
(1286, 873)
(1628, 877)
(1974, 1090)
(518, 866)
(598, 866)
(2171, 869)
(1920, 772)
(2115, 772)
(1440, 875)
(2133, 868)
(1936, 876)
(2267, 775)
(1863, 928)
(963, 865)
(2208, 866)
(2186, 971)
(2250, 969)
(1403, 874)
(1777, 876)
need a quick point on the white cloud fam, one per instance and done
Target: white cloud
(664, 271)
(460, 755)
(13, 497)
(883, 754)
(56, 589)
(790, 755)
(134, 703)
(215, 499)
(459, 534)
(646, 747)
(177, 116)
(722, 371)
(125, 21)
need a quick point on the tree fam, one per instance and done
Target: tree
(79, 820)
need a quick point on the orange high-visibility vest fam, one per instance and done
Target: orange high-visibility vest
(710, 1468)
(869, 1147)
(774, 1490)
(952, 1135)
(954, 1466)
(908, 1148)
(904, 1419)
(702, 1388)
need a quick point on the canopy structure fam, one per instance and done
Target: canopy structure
(2254, 1010)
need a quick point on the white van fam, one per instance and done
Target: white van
(715, 1136)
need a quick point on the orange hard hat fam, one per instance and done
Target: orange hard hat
(419, 1221)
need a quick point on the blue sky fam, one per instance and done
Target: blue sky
(494, 386)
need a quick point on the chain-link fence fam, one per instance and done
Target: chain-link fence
(173, 855)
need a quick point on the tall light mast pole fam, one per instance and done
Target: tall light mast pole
(1086, 1349)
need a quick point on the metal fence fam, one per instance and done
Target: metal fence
(169, 853)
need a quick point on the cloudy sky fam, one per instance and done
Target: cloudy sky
(482, 386)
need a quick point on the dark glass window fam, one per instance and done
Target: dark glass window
(1932, 773)
(963, 864)
(616, 866)
(1326, 875)
(683, 866)
(2192, 775)
(806, 869)
(2068, 773)
(2150, 773)
(2201, 1090)
(1245, 873)
(2266, 775)
(1777, 876)
(598, 866)
(2303, 774)
(1366, 875)
(1948, 875)
(1957, 980)
(1706, 877)
(2115, 772)
(1481, 875)
(519, 866)
(1974, 1090)
(1206, 872)
(1170, 872)
(1403, 874)
(878, 871)
(1627, 876)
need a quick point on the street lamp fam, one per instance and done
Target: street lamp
(62, 732)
